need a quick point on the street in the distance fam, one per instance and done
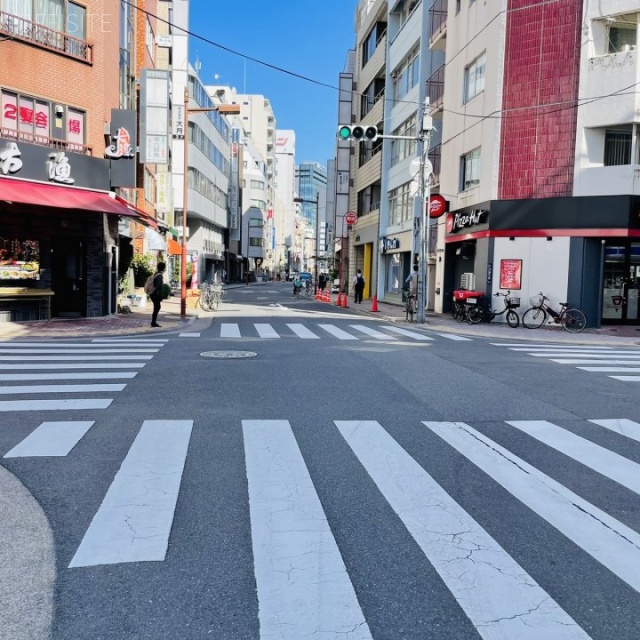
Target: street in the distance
(286, 468)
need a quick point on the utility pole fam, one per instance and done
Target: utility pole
(425, 195)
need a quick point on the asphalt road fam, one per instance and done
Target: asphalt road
(340, 479)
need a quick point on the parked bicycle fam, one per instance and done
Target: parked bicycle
(210, 296)
(571, 319)
(481, 311)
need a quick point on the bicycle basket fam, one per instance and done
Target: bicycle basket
(536, 301)
(513, 303)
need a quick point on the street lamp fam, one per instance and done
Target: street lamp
(315, 266)
(229, 109)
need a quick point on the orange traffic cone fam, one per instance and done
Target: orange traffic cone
(325, 297)
(339, 300)
(374, 303)
(345, 301)
(318, 295)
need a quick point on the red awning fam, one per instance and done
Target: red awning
(57, 197)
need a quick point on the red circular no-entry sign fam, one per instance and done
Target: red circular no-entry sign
(351, 218)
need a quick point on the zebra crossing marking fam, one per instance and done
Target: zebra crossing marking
(84, 365)
(611, 369)
(613, 361)
(50, 352)
(496, 593)
(536, 345)
(70, 358)
(295, 554)
(84, 375)
(60, 388)
(626, 378)
(453, 336)
(619, 355)
(51, 439)
(378, 335)
(337, 332)
(303, 332)
(189, 335)
(77, 345)
(134, 520)
(410, 334)
(54, 405)
(624, 427)
(609, 541)
(605, 462)
(265, 330)
(125, 341)
(229, 330)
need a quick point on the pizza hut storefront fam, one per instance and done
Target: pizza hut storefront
(58, 233)
(467, 251)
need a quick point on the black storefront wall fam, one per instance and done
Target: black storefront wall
(74, 244)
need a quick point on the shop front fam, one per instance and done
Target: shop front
(396, 262)
(58, 233)
(584, 250)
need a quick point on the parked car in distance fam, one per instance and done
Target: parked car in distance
(335, 287)
(305, 275)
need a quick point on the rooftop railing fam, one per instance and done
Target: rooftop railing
(44, 141)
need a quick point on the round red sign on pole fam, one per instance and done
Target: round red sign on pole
(437, 206)
(351, 218)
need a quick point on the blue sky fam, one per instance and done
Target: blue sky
(310, 39)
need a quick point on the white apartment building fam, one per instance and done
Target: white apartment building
(284, 223)
(254, 207)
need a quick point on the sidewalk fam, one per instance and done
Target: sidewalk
(138, 323)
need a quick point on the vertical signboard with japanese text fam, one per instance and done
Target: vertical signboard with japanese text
(154, 120)
(122, 148)
(234, 204)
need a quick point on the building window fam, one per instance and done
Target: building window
(148, 186)
(622, 37)
(401, 149)
(259, 204)
(400, 204)
(257, 184)
(256, 242)
(372, 41)
(407, 75)
(474, 78)
(617, 148)
(470, 170)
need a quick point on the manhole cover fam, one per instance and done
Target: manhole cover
(229, 354)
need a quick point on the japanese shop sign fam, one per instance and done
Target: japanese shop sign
(510, 274)
(42, 164)
(122, 150)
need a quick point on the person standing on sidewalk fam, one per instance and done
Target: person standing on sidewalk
(156, 294)
(358, 286)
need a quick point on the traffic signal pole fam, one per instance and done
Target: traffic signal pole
(361, 133)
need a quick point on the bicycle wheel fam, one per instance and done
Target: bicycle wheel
(534, 317)
(474, 315)
(513, 319)
(204, 302)
(573, 320)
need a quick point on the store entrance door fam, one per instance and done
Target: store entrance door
(68, 281)
(621, 282)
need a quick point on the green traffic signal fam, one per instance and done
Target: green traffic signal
(344, 132)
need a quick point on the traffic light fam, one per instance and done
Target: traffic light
(358, 133)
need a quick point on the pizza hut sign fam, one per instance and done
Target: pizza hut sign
(462, 220)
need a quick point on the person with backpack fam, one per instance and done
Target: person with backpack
(358, 286)
(153, 288)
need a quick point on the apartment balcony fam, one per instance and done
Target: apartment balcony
(438, 25)
(435, 92)
(608, 181)
(610, 75)
(21, 29)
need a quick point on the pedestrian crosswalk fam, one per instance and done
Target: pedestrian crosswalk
(302, 579)
(79, 367)
(594, 359)
(316, 331)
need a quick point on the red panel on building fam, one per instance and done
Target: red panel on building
(541, 73)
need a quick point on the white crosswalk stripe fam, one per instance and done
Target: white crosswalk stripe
(454, 337)
(304, 584)
(589, 358)
(341, 332)
(65, 362)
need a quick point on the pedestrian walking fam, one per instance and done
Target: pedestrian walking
(412, 281)
(322, 282)
(358, 286)
(156, 293)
